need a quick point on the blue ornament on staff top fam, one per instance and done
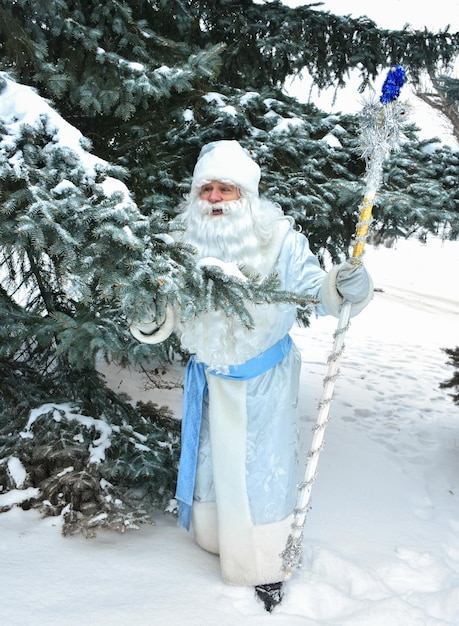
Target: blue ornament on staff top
(392, 85)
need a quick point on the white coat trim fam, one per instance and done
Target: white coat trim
(150, 332)
(249, 553)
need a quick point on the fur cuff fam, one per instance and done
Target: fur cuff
(150, 332)
(331, 298)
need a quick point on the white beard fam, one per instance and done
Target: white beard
(233, 236)
(239, 235)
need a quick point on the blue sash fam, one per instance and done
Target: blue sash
(194, 393)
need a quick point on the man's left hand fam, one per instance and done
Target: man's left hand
(353, 282)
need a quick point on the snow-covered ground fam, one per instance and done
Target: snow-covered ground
(381, 542)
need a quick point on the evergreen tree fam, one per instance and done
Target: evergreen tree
(70, 237)
(443, 96)
(134, 77)
(147, 83)
(78, 260)
(453, 382)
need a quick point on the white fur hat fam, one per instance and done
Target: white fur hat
(228, 162)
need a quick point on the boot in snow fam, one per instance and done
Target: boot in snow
(270, 594)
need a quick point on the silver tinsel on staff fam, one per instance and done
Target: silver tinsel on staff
(381, 132)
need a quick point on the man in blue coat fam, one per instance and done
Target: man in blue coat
(243, 446)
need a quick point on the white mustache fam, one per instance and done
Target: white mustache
(208, 208)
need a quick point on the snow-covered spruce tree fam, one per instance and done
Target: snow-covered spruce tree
(78, 260)
(135, 78)
(420, 193)
(70, 238)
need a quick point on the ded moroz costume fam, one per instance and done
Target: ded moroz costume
(243, 443)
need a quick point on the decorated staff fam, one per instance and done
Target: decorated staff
(380, 132)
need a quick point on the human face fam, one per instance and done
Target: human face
(215, 191)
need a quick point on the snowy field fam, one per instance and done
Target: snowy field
(382, 540)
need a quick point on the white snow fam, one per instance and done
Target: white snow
(220, 101)
(332, 141)
(249, 95)
(21, 105)
(63, 186)
(381, 545)
(136, 67)
(71, 413)
(188, 115)
(231, 269)
(218, 98)
(286, 124)
(229, 110)
(16, 496)
(17, 471)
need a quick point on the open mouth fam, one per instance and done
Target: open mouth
(217, 211)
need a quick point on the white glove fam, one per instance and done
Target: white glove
(353, 282)
(147, 329)
(354, 285)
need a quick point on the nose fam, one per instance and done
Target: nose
(214, 196)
